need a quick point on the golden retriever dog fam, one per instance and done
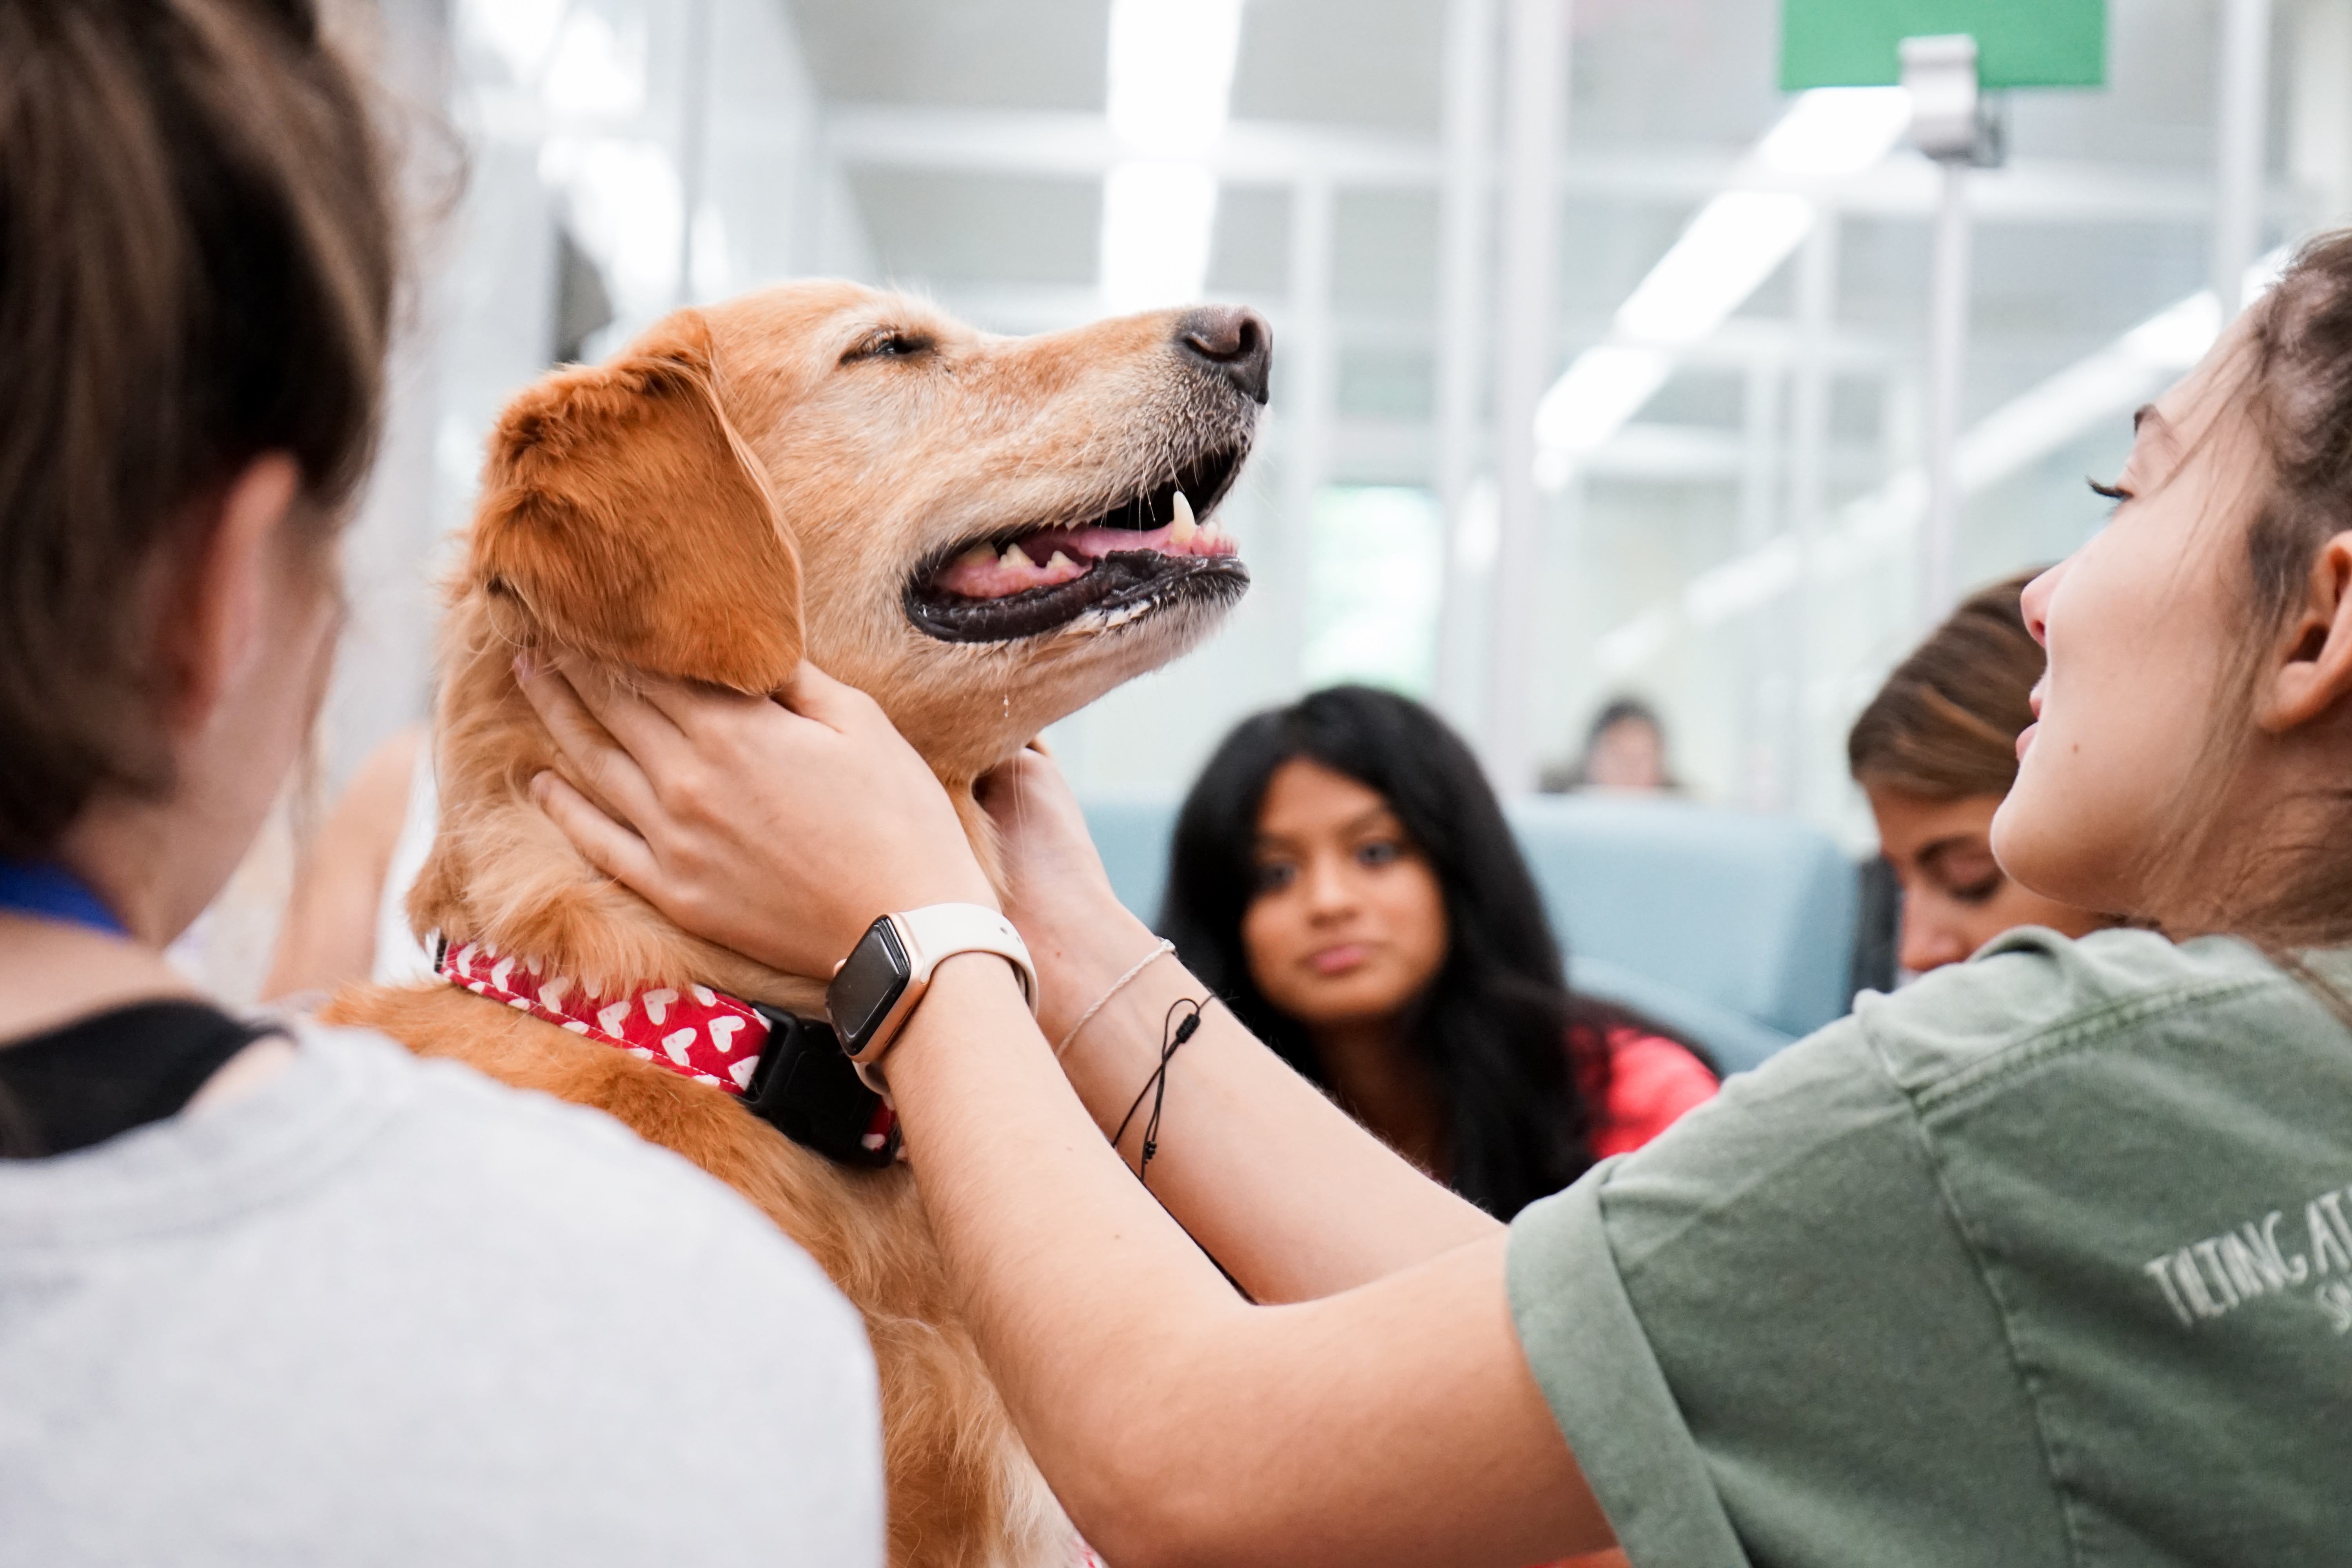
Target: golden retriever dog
(985, 534)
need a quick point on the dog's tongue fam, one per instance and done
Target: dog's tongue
(1053, 556)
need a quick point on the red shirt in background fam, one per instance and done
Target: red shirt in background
(1637, 1082)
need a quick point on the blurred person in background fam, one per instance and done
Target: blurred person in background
(272, 1294)
(1343, 877)
(1624, 753)
(1936, 752)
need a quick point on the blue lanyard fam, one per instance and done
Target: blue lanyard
(46, 890)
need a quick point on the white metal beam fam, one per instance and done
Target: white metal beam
(1079, 146)
(1463, 269)
(693, 136)
(1526, 357)
(2241, 123)
(1373, 451)
(1809, 449)
(1307, 377)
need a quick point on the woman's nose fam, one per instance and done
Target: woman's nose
(1329, 889)
(1927, 942)
(2034, 603)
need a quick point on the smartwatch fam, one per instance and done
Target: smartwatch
(876, 988)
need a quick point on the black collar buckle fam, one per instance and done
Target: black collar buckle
(807, 1090)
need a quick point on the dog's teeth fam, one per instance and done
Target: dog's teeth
(1012, 559)
(1057, 561)
(1181, 531)
(978, 555)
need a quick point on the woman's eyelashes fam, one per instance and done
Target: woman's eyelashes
(1962, 871)
(1273, 875)
(2115, 493)
(1979, 892)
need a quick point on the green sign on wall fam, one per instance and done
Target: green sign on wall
(2019, 43)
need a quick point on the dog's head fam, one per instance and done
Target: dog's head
(982, 532)
(985, 533)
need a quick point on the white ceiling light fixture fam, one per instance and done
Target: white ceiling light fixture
(1158, 217)
(1835, 133)
(1171, 76)
(1605, 386)
(1734, 243)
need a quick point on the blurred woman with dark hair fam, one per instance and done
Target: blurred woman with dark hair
(1937, 753)
(1343, 877)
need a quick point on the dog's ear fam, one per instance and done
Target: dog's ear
(623, 516)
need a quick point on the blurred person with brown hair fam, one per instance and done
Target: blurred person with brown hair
(1936, 752)
(1624, 753)
(274, 1294)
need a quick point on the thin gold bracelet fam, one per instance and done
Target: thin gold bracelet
(1118, 986)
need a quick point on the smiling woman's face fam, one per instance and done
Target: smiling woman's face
(1348, 924)
(2141, 625)
(1956, 898)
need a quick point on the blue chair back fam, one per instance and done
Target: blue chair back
(1131, 830)
(1690, 912)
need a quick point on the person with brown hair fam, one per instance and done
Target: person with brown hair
(1936, 752)
(2046, 1259)
(271, 1293)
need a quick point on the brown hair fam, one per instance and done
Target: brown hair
(196, 267)
(1945, 725)
(2294, 384)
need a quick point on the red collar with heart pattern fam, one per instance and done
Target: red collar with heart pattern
(812, 1094)
(697, 1033)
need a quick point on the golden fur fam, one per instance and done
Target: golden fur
(743, 487)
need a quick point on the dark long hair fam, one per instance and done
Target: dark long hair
(1493, 1027)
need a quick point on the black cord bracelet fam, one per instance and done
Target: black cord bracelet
(1173, 1033)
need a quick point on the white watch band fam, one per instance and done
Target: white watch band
(937, 932)
(928, 937)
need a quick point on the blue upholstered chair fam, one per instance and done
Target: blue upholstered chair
(1131, 829)
(1736, 930)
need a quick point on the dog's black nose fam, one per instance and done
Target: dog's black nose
(1233, 342)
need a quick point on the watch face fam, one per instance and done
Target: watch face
(868, 986)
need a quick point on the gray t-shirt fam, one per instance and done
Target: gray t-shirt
(381, 1310)
(2046, 1260)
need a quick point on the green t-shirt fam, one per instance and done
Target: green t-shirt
(2046, 1260)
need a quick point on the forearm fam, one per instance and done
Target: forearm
(1177, 1422)
(1396, 1421)
(1288, 1193)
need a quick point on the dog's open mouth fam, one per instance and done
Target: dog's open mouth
(1151, 549)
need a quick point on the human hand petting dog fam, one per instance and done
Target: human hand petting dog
(1057, 891)
(779, 827)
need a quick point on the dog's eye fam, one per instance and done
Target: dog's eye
(889, 343)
